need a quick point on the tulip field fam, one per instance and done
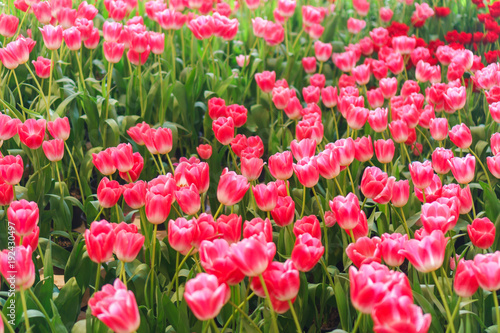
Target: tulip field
(250, 166)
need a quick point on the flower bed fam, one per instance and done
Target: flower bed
(248, 166)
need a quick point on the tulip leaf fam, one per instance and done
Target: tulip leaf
(68, 302)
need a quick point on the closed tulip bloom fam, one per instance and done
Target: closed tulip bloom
(204, 151)
(307, 252)
(465, 283)
(104, 162)
(399, 130)
(390, 246)
(363, 148)
(229, 228)
(127, 245)
(482, 233)
(461, 136)
(116, 307)
(294, 108)
(6, 193)
(8, 25)
(133, 174)
(28, 240)
(42, 66)
(158, 141)
(494, 165)
(122, 156)
(309, 64)
(465, 200)
(11, 169)
(439, 128)
(345, 149)
(328, 164)
(72, 38)
(53, 149)
(282, 281)
(400, 193)
(389, 87)
(495, 143)
(329, 96)
(239, 113)
(93, 41)
(214, 258)
(421, 174)
(59, 128)
(135, 194)
(311, 94)
(24, 216)
(231, 188)
(252, 255)
(375, 97)
(384, 150)
(32, 132)
(455, 98)
(361, 74)
(427, 254)
(364, 251)
(8, 127)
(304, 148)
(157, 42)
(308, 225)
(42, 11)
(378, 119)
(345, 61)
(346, 210)
(224, 130)
(281, 165)
(100, 240)
(372, 283)
(307, 172)
(159, 200)
(281, 97)
(438, 216)
(182, 233)
(323, 51)
(284, 212)
(318, 80)
(113, 51)
(396, 314)
(265, 81)
(108, 192)
(373, 182)
(251, 168)
(266, 196)
(463, 168)
(494, 109)
(52, 36)
(206, 296)
(188, 199)
(202, 27)
(207, 229)
(440, 158)
(22, 269)
(258, 226)
(487, 270)
(196, 173)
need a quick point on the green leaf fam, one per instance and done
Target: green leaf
(61, 109)
(68, 302)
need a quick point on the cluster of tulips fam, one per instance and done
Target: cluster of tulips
(315, 166)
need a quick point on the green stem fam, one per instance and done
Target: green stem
(50, 82)
(303, 202)
(218, 211)
(482, 166)
(139, 69)
(108, 88)
(178, 269)
(37, 83)
(245, 315)
(445, 303)
(405, 224)
(25, 310)
(153, 240)
(327, 273)
(99, 214)
(455, 311)
(170, 164)
(42, 309)
(338, 185)
(163, 171)
(497, 309)
(19, 91)
(6, 323)
(97, 277)
(242, 304)
(214, 325)
(80, 69)
(173, 55)
(76, 172)
(356, 324)
(123, 274)
(350, 178)
(294, 315)
(325, 230)
(271, 309)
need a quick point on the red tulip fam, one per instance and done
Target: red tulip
(328, 164)
(215, 260)
(52, 36)
(309, 64)
(400, 193)
(294, 108)
(307, 172)
(8, 25)
(439, 128)
(311, 94)
(116, 307)
(399, 131)
(104, 162)
(463, 168)
(113, 51)
(265, 81)
(257, 226)
(229, 228)
(59, 128)
(281, 165)
(465, 283)
(384, 150)
(108, 192)
(159, 199)
(158, 141)
(207, 229)
(421, 174)
(482, 233)
(427, 254)
(182, 233)
(53, 149)
(6, 193)
(306, 252)
(378, 119)
(224, 130)
(346, 210)
(282, 281)
(204, 151)
(251, 168)
(206, 296)
(137, 58)
(32, 132)
(372, 182)
(127, 245)
(440, 158)
(329, 96)
(494, 165)
(238, 113)
(253, 255)
(73, 38)
(303, 148)
(364, 251)
(461, 136)
(194, 173)
(231, 188)
(100, 239)
(133, 174)
(8, 126)
(284, 212)
(17, 266)
(11, 169)
(396, 314)
(24, 216)
(307, 225)
(266, 196)
(281, 97)
(439, 216)
(389, 87)
(42, 65)
(455, 98)
(487, 270)
(28, 240)
(188, 199)
(122, 156)
(363, 148)
(135, 194)
(390, 246)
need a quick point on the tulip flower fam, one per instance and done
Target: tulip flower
(159, 200)
(182, 233)
(229, 228)
(206, 296)
(390, 246)
(100, 240)
(127, 245)
(265, 81)
(396, 312)
(204, 151)
(282, 281)
(24, 216)
(231, 188)
(439, 128)
(346, 210)
(487, 270)
(116, 307)
(281, 165)
(11, 169)
(52, 36)
(306, 252)
(284, 212)
(224, 130)
(108, 192)
(307, 172)
(465, 283)
(463, 168)
(461, 136)
(258, 226)
(104, 162)
(53, 149)
(252, 255)
(364, 251)
(215, 260)
(482, 232)
(59, 128)
(32, 132)
(266, 196)
(427, 254)
(421, 174)
(134, 194)
(16, 265)
(440, 158)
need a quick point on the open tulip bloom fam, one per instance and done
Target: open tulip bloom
(250, 166)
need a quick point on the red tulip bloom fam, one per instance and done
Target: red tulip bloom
(251, 168)
(135, 194)
(439, 128)
(384, 150)
(487, 270)
(11, 169)
(53, 149)
(8, 25)
(281, 165)
(307, 252)
(440, 158)
(204, 151)
(224, 130)
(59, 128)
(465, 283)
(266, 196)
(400, 193)
(463, 168)
(100, 240)
(308, 225)
(113, 51)
(284, 212)
(188, 199)
(390, 246)
(307, 172)
(122, 156)
(158, 141)
(282, 281)
(159, 199)
(328, 164)
(309, 64)
(182, 233)
(32, 132)
(427, 254)
(421, 174)
(108, 192)
(133, 174)
(52, 36)
(127, 245)
(116, 307)
(303, 148)
(21, 270)
(265, 81)
(24, 216)
(206, 296)
(104, 162)
(346, 210)
(253, 255)
(396, 314)
(215, 260)
(364, 251)
(42, 67)
(73, 38)
(461, 136)
(482, 233)
(229, 228)
(231, 188)
(439, 216)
